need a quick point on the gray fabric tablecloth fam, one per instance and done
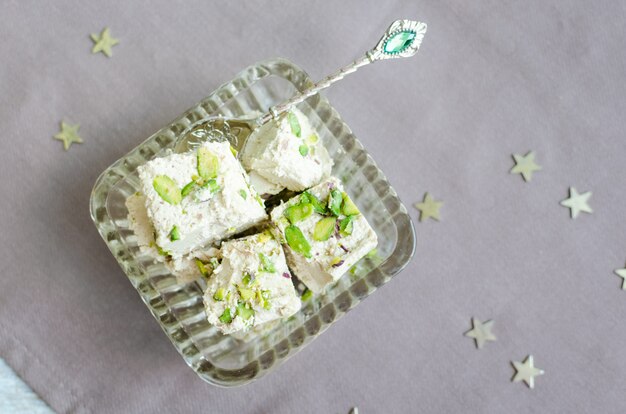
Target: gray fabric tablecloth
(493, 78)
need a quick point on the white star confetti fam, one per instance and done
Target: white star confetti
(68, 135)
(103, 42)
(481, 332)
(577, 202)
(429, 208)
(525, 165)
(622, 273)
(526, 371)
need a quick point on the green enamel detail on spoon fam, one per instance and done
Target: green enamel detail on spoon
(398, 42)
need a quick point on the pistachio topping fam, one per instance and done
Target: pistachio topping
(245, 293)
(336, 261)
(226, 317)
(204, 270)
(334, 202)
(219, 294)
(265, 236)
(294, 124)
(346, 225)
(208, 163)
(266, 264)
(348, 207)
(213, 186)
(188, 188)
(243, 194)
(245, 311)
(318, 206)
(323, 229)
(312, 139)
(161, 251)
(174, 233)
(167, 189)
(247, 279)
(297, 241)
(298, 212)
(304, 150)
(306, 295)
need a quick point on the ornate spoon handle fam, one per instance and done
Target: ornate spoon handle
(402, 39)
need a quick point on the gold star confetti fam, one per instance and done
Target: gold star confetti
(577, 202)
(429, 208)
(104, 42)
(526, 371)
(481, 332)
(69, 135)
(525, 165)
(622, 273)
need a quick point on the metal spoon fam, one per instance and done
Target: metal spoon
(402, 39)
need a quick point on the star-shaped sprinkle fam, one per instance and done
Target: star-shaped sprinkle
(69, 135)
(525, 165)
(526, 371)
(577, 202)
(103, 42)
(429, 208)
(622, 273)
(481, 332)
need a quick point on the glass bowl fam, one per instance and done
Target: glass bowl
(230, 360)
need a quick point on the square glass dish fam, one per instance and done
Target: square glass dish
(230, 360)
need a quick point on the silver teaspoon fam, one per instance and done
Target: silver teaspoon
(402, 39)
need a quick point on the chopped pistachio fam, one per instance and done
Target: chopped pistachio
(334, 202)
(188, 188)
(167, 189)
(161, 251)
(245, 293)
(213, 186)
(306, 295)
(297, 241)
(247, 279)
(267, 305)
(348, 207)
(214, 262)
(174, 234)
(324, 228)
(233, 151)
(294, 124)
(244, 311)
(336, 261)
(318, 206)
(312, 139)
(228, 296)
(219, 294)
(208, 163)
(202, 267)
(243, 194)
(298, 212)
(265, 236)
(266, 264)
(346, 225)
(226, 317)
(303, 149)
